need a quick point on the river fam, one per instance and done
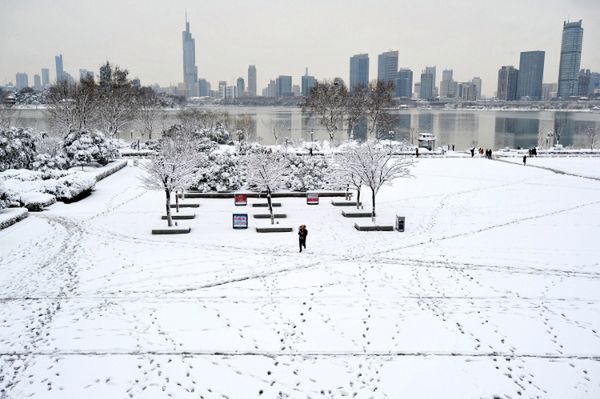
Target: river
(462, 128)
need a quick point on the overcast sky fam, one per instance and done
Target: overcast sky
(282, 37)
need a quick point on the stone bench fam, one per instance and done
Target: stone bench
(345, 203)
(176, 216)
(268, 216)
(186, 205)
(265, 205)
(172, 230)
(373, 227)
(356, 214)
(274, 229)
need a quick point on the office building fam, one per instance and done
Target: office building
(387, 66)
(448, 86)
(531, 75)
(477, 82)
(466, 91)
(222, 88)
(240, 87)
(427, 86)
(549, 91)
(203, 88)
(284, 86)
(404, 82)
(431, 71)
(190, 70)
(230, 91)
(45, 77)
(507, 83)
(417, 91)
(37, 82)
(308, 82)
(252, 81)
(359, 71)
(570, 59)
(58, 62)
(22, 81)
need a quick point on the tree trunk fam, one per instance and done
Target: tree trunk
(168, 198)
(270, 205)
(176, 201)
(357, 197)
(373, 202)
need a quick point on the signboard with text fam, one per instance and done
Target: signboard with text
(312, 198)
(240, 199)
(240, 220)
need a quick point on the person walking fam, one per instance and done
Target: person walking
(417, 152)
(524, 160)
(302, 233)
(472, 152)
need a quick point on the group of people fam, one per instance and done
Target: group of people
(487, 152)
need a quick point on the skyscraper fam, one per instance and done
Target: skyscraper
(570, 59)
(203, 88)
(359, 71)
(37, 82)
(447, 86)
(190, 70)
(387, 66)
(531, 75)
(222, 88)
(308, 82)
(58, 61)
(240, 87)
(284, 86)
(45, 77)
(507, 83)
(427, 85)
(404, 82)
(431, 70)
(477, 82)
(252, 81)
(22, 80)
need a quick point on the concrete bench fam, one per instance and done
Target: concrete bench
(356, 214)
(265, 205)
(274, 229)
(373, 228)
(268, 216)
(176, 216)
(172, 230)
(344, 203)
(186, 205)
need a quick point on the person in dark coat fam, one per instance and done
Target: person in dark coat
(302, 233)
(417, 152)
(524, 160)
(472, 152)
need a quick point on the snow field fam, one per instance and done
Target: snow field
(492, 290)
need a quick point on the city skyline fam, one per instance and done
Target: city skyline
(157, 59)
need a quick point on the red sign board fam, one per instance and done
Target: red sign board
(240, 200)
(312, 198)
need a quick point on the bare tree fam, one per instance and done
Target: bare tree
(327, 101)
(171, 170)
(356, 108)
(61, 109)
(374, 166)
(591, 134)
(148, 102)
(117, 100)
(379, 99)
(265, 170)
(243, 124)
(345, 173)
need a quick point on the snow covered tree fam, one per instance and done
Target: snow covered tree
(374, 166)
(17, 149)
(379, 99)
(148, 110)
(6, 115)
(171, 170)
(4, 201)
(218, 172)
(82, 147)
(591, 134)
(117, 99)
(327, 101)
(265, 171)
(62, 110)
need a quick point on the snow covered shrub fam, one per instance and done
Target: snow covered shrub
(218, 135)
(36, 202)
(73, 185)
(83, 147)
(47, 161)
(62, 184)
(3, 196)
(244, 147)
(218, 172)
(17, 149)
(200, 141)
(307, 173)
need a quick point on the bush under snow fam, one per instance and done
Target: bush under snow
(218, 172)
(63, 185)
(17, 148)
(82, 147)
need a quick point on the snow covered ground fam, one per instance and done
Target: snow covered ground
(493, 290)
(581, 166)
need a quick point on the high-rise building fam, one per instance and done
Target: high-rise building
(296, 91)
(22, 80)
(222, 88)
(387, 66)
(58, 62)
(404, 82)
(203, 88)
(507, 83)
(595, 84)
(284, 86)
(583, 82)
(252, 81)
(427, 86)
(570, 59)
(477, 82)
(271, 89)
(84, 73)
(467, 91)
(230, 92)
(549, 91)
(417, 90)
(447, 85)
(359, 71)
(37, 82)
(190, 70)
(240, 87)
(308, 82)
(45, 77)
(531, 75)
(431, 70)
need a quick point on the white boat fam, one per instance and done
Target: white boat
(427, 140)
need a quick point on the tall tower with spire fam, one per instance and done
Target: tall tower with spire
(190, 70)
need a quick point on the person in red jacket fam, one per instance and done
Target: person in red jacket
(302, 233)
